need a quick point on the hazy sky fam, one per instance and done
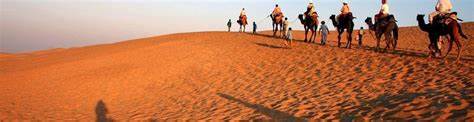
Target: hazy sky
(28, 25)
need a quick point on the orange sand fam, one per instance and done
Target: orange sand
(237, 76)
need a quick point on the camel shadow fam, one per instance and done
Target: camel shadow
(415, 53)
(400, 52)
(274, 114)
(270, 36)
(264, 35)
(101, 112)
(270, 46)
(392, 105)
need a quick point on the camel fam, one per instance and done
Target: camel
(385, 28)
(309, 23)
(437, 29)
(344, 23)
(277, 21)
(242, 22)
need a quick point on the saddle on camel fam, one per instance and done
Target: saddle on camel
(242, 20)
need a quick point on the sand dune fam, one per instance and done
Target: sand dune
(237, 76)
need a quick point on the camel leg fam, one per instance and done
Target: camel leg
(349, 39)
(305, 34)
(430, 52)
(273, 29)
(379, 38)
(456, 38)
(450, 47)
(339, 39)
(281, 30)
(315, 32)
(458, 43)
(387, 41)
(394, 43)
(378, 44)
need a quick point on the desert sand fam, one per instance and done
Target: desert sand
(238, 76)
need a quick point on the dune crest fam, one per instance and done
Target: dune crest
(238, 76)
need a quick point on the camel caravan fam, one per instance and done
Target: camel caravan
(443, 28)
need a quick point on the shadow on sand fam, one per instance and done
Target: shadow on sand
(101, 112)
(393, 103)
(274, 114)
(270, 46)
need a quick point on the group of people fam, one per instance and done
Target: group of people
(443, 7)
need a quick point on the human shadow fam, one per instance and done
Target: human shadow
(274, 114)
(101, 112)
(270, 46)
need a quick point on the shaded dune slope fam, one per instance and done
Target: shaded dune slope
(237, 76)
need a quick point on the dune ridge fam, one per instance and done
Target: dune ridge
(238, 76)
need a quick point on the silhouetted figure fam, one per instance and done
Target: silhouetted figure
(101, 111)
(289, 37)
(229, 24)
(254, 28)
(361, 34)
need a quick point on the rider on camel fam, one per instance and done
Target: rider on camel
(384, 11)
(242, 13)
(344, 11)
(442, 7)
(277, 11)
(310, 10)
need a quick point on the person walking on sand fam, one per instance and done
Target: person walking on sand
(254, 28)
(323, 31)
(229, 24)
(289, 38)
(285, 27)
(361, 34)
